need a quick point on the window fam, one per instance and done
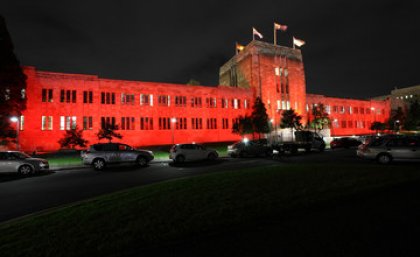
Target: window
(235, 103)
(350, 123)
(342, 109)
(127, 98)
(47, 123)
(211, 102)
(356, 110)
(87, 123)
(196, 102)
(181, 123)
(180, 101)
(68, 96)
(146, 99)
(225, 123)
(87, 97)
(163, 100)
(343, 124)
(164, 123)
(335, 123)
(22, 123)
(127, 123)
(146, 123)
(47, 95)
(211, 123)
(224, 103)
(328, 109)
(335, 109)
(108, 123)
(107, 98)
(67, 122)
(362, 110)
(196, 123)
(246, 104)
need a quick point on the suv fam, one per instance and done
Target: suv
(191, 152)
(100, 155)
(249, 148)
(388, 148)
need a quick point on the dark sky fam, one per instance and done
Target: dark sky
(354, 48)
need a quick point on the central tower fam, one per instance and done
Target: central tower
(274, 73)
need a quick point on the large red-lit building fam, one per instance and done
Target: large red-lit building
(160, 113)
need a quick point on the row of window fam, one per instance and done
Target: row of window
(351, 124)
(349, 109)
(129, 123)
(70, 96)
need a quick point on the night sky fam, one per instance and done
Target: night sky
(354, 48)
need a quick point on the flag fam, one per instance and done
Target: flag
(298, 42)
(239, 47)
(255, 32)
(280, 27)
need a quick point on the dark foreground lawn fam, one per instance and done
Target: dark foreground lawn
(230, 214)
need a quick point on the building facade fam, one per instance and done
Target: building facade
(160, 113)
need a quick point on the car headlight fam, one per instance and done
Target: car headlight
(43, 164)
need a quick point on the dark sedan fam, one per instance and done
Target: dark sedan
(345, 142)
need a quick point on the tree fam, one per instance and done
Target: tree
(378, 126)
(243, 126)
(413, 117)
(73, 138)
(12, 82)
(290, 119)
(397, 119)
(259, 118)
(193, 82)
(321, 117)
(109, 132)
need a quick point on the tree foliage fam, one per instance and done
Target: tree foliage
(397, 119)
(321, 117)
(193, 82)
(12, 82)
(378, 126)
(73, 138)
(259, 117)
(109, 133)
(290, 119)
(243, 126)
(413, 117)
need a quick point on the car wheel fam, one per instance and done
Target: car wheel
(141, 161)
(99, 164)
(180, 159)
(384, 158)
(212, 156)
(25, 170)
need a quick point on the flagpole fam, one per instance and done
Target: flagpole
(275, 34)
(236, 48)
(253, 34)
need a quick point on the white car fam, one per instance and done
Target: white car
(191, 152)
(14, 161)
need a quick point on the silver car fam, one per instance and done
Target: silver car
(14, 161)
(388, 148)
(100, 155)
(180, 153)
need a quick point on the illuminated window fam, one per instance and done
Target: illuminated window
(235, 103)
(67, 122)
(146, 99)
(47, 95)
(277, 71)
(246, 104)
(22, 123)
(225, 103)
(328, 109)
(350, 110)
(87, 123)
(47, 123)
(335, 109)
(279, 105)
(342, 109)
(23, 93)
(146, 123)
(127, 98)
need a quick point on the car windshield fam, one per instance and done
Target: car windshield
(19, 155)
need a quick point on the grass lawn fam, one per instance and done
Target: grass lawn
(158, 214)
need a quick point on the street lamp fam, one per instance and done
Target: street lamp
(173, 121)
(15, 119)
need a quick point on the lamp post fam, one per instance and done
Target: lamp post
(397, 126)
(173, 121)
(15, 119)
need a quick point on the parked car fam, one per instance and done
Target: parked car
(191, 152)
(389, 148)
(100, 155)
(14, 161)
(344, 142)
(249, 148)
